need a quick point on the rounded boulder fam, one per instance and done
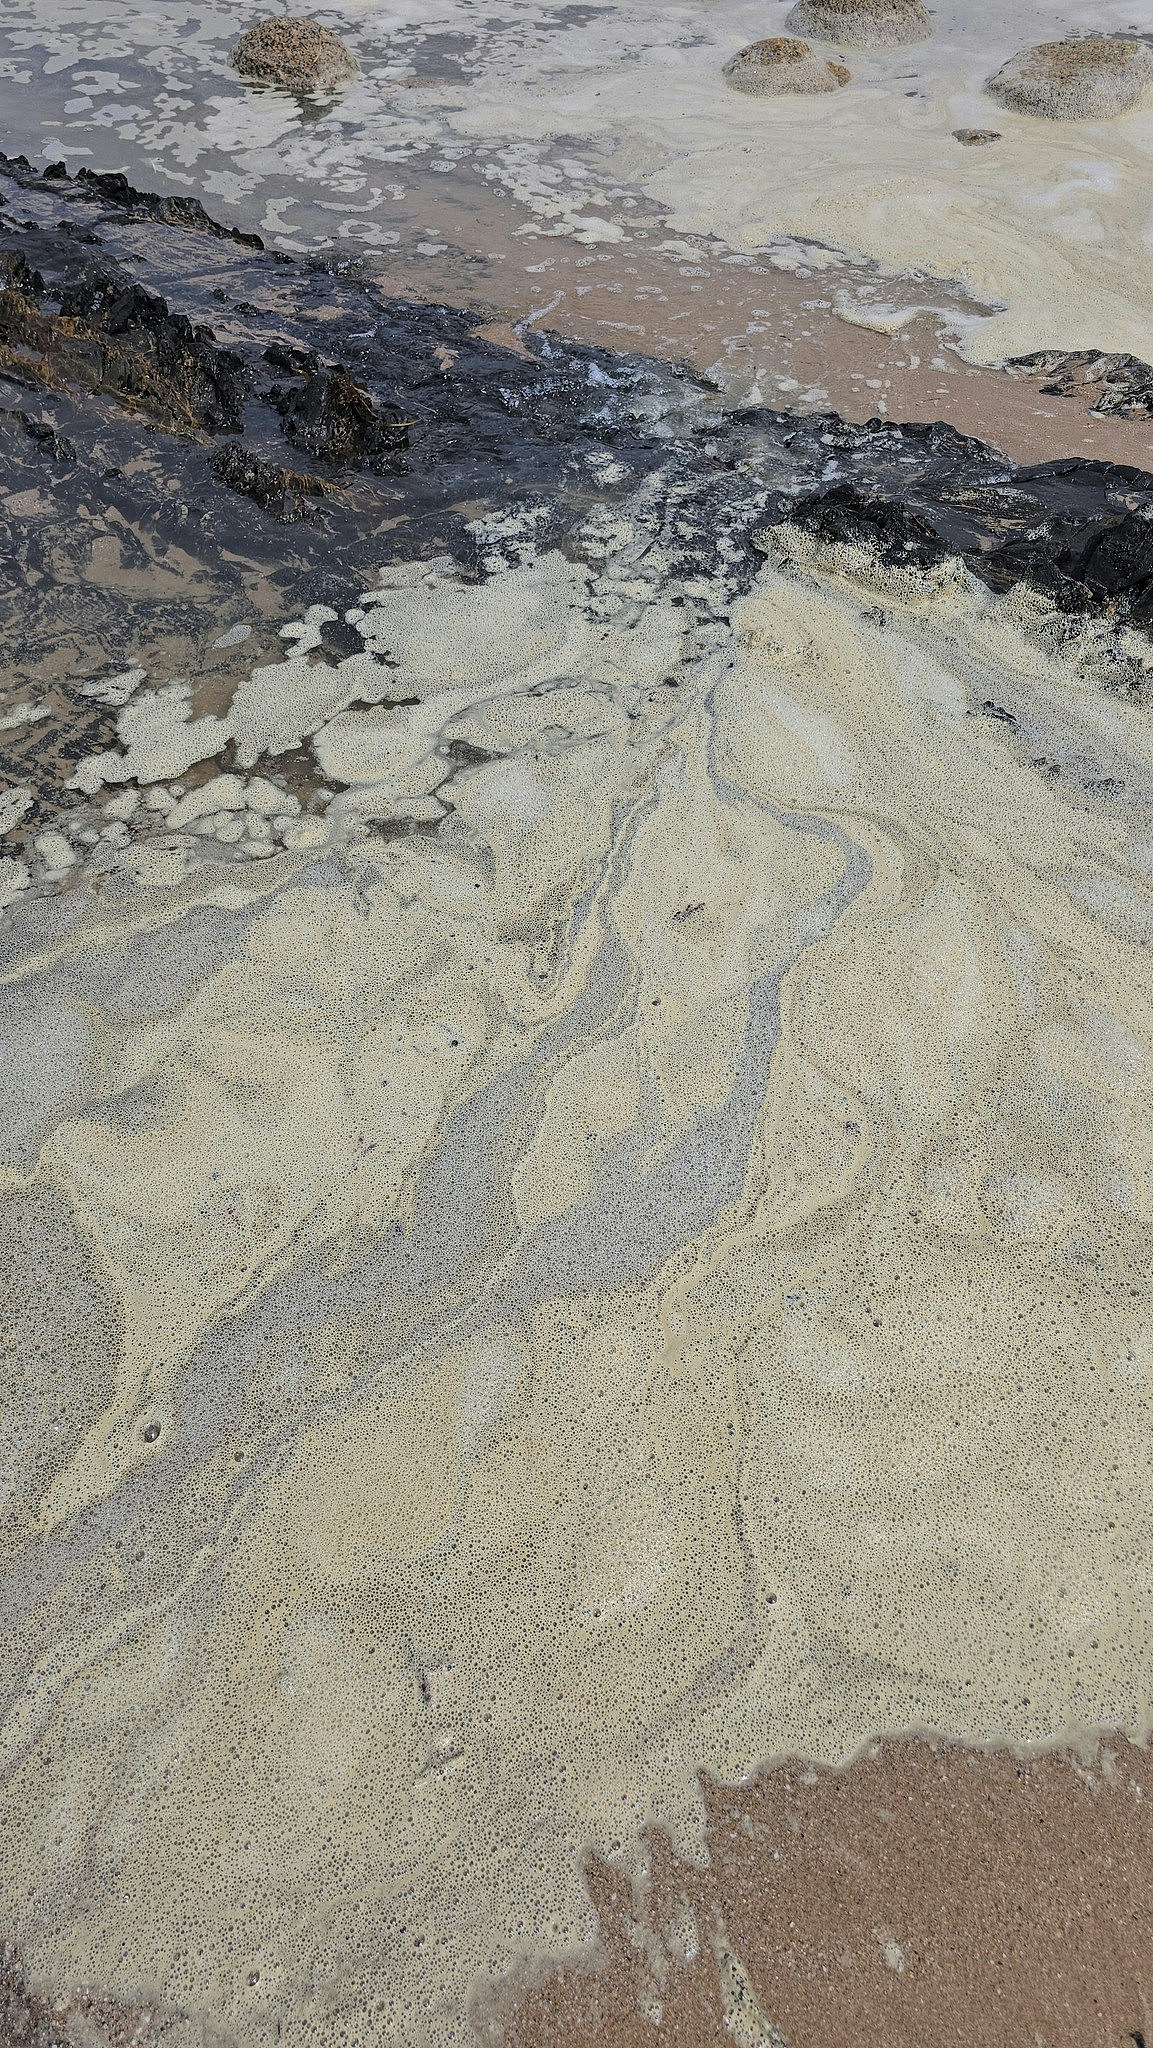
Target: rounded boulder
(1082, 78)
(867, 24)
(294, 52)
(783, 64)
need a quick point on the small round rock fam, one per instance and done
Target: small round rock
(292, 51)
(1082, 78)
(867, 24)
(783, 64)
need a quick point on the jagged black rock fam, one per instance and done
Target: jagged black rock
(158, 393)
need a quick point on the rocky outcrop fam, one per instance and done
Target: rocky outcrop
(105, 332)
(331, 418)
(1120, 385)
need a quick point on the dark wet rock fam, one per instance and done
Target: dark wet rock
(864, 23)
(892, 533)
(783, 64)
(976, 138)
(282, 492)
(158, 538)
(334, 420)
(1120, 385)
(1079, 532)
(130, 537)
(294, 52)
(58, 446)
(1082, 78)
(111, 188)
(102, 330)
(156, 357)
(1116, 564)
(178, 210)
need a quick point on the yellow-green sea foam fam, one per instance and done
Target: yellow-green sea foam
(651, 1274)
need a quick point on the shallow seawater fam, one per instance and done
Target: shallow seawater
(576, 1164)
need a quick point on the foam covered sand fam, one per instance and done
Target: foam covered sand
(652, 1274)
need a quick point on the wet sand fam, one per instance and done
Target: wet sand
(763, 335)
(585, 117)
(449, 172)
(927, 1893)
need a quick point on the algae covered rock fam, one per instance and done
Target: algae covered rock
(1082, 78)
(783, 64)
(294, 52)
(865, 23)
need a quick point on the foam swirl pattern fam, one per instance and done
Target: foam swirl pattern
(648, 1270)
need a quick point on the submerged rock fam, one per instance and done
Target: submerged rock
(867, 23)
(294, 52)
(1082, 78)
(281, 492)
(782, 64)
